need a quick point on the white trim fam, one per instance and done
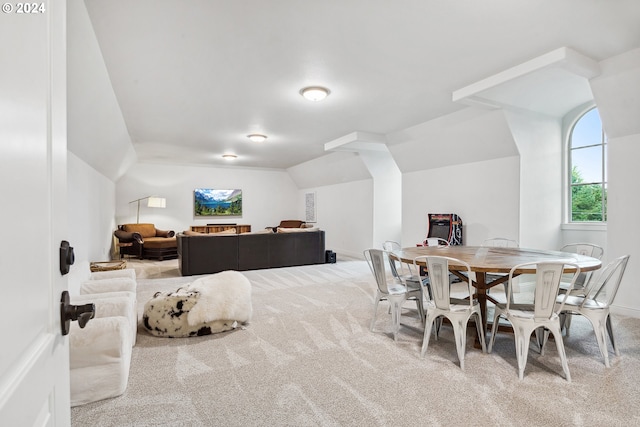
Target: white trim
(625, 311)
(585, 226)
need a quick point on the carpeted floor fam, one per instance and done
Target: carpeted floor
(308, 359)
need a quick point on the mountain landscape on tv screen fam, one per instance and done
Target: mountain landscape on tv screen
(210, 202)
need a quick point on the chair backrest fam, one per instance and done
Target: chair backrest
(587, 249)
(547, 285)
(390, 246)
(435, 241)
(378, 260)
(396, 267)
(438, 268)
(605, 286)
(500, 242)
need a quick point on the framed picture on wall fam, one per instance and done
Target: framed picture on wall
(209, 202)
(310, 207)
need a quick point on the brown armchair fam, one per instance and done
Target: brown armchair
(146, 241)
(288, 223)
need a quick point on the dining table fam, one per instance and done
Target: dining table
(491, 265)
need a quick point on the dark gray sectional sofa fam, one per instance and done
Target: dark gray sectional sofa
(206, 254)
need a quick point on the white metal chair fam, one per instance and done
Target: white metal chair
(595, 305)
(587, 249)
(582, 281)
(435, 241)
(389, 288)
(499, 242)
(457, 310)
(414, 282)
(544, 312)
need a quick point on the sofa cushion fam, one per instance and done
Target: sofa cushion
(145, 230)
(295, 230)
(193, 233)
(160, 242)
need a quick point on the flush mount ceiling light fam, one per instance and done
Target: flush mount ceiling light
(315, 93)
(229, 156)
(257, 137)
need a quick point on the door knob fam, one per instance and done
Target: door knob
(67, 258)
(68, 312)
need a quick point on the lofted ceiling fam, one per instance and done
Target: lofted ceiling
(193, 78)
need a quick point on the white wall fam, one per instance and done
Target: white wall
(91, 210)
(486, 195)
(268, 196)
(97, 132)
(345, 212)
(617, 94)
(539, 141)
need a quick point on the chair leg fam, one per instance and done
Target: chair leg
(567, 323)
(610, 331)
(557, 336)
(522, 348)
(460, 336)
(494, 329)
(599, 328)
(395, 316)
(420, 309)
(480, 334)
(375, 310)
(542, 336)
(427, 334)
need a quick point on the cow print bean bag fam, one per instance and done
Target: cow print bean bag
(209, 305)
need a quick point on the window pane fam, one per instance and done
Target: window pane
(586, 203)
(588, 163)
(588, 130)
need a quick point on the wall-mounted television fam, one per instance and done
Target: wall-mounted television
(208, 202)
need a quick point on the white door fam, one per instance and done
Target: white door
(34, 359)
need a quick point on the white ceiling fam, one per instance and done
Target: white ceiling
(193, 78)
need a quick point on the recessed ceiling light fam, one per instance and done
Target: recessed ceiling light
(257, 137)
(315, 93)
(229, 156)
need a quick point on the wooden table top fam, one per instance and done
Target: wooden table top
(484, 259)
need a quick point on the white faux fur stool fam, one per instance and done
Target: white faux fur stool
(99, 359)
(111, 304)
(113, 284)
(211, 304)
(100, 275)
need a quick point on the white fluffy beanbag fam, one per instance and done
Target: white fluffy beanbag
(211, 304)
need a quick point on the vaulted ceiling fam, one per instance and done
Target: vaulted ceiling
(193, 78)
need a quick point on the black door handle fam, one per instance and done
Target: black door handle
(68, 312)
(67, 258)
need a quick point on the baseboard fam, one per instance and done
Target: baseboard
(625, 311)
(342, 254)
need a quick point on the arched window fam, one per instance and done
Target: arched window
(587, 156)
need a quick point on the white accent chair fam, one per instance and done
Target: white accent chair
(435, 241)
(388, 288)
(582, 281)
(100, 353)
(543, 312)
(597, 301)
(457, 310)
(404, 273)
(500, 242)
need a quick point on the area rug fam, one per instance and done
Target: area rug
(307, 358)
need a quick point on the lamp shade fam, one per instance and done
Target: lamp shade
(157, 202)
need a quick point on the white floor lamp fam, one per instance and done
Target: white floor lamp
(154, 202)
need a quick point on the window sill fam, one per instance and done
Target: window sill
(585, 226)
